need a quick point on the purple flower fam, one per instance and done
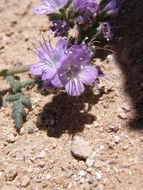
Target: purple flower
(59, 27)
(75, 70)
(106, 31)
(89, 7)
(50, 6)
(87, 10)
(112, 8)
(49, 60)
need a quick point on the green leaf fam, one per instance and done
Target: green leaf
(26, 102)
(13, 98)
(17, 114)
(14, 83)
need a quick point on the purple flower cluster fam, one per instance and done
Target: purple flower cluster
(65, 67)
(68, 65)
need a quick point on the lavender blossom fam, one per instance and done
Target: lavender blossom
(50, 6)
(106, 31)
(59, 27)
(75, 70)
(112, 8)
(49, 60)
(87, 10)
(89, 7)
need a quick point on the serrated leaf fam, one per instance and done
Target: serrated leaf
(26, 102)
(13, 98)
(16, 114)
(14, 83)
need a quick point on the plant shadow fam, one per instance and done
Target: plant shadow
(129, 55)
(67, 114)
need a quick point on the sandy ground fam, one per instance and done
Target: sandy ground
(40, 157)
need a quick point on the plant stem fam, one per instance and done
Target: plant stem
(14, 70)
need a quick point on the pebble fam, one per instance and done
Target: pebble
(9, 187)
(11, 174)
(101, 147)
(69, 186)
(25, 181)
(30, 130)
(114, 129)
(42, 154)
(96, 124)
(116, 139)
(89, 162)
(98, 176)
(10, 138)
(80, 148)
(82, 180)
(48, 176)
(82, 173)
(121, 114)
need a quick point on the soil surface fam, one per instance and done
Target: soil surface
(91, 142)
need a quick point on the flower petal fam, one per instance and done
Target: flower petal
(74, 87)
(88, 75)
(43, 9)
(37, 68)
(49, 74)
(56, 81)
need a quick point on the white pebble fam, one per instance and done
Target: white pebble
(10, 138)
(98, 176)
(96, 124)
(101, 147)
(42, 154)
(48, 176)
(117, 139)
(82, 173)
(89, 162)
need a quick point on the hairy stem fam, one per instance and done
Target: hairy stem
(14, 70)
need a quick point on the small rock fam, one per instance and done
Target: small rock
(89, 162)
(89, 180)
(25, 181)
(82, 180)
(96, 124)
(42, 154)
(10, 138)
(116, 139)
(112, 162)
(41, 164)
(125, 147)
(69, 186)
(114, 129)
(48, 176)
(105, 181)
(44, 184)
(98, 176)
(30, 130)
(80, 148)
(101, 147)
(121, 114)
(82, 173)
(11, 174)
